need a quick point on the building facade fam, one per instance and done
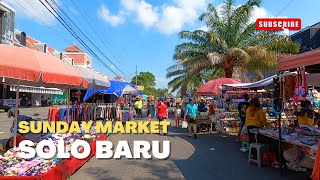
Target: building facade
(79, 57)
(308, 38)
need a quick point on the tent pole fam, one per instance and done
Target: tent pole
(280, 154)
(16, 116)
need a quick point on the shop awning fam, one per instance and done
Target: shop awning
(96, 80)
(261, 83)
(39, 90)
(129, 90)
(214, 87)
(23, 66)
(116, 88)
(304, 59)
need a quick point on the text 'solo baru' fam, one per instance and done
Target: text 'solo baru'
(81, 149)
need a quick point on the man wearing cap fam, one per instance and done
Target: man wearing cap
(191, 117)
(162, 111)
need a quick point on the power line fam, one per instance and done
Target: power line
(62, 20)
(121, 51)
(102, 39)
(105, 40)
(63, 23)
(284, 8)
(44, 22)
(70, 20)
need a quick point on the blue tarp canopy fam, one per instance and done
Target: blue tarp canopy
(140, 93)
(116, 88)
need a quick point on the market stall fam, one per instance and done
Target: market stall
(216, 88)
(296, 141)
(12, 167)
(296, 87)
(116, 90)
(32, 68)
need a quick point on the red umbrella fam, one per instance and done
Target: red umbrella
(215, 86)
(23, 66)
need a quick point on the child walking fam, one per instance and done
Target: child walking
(177, 114)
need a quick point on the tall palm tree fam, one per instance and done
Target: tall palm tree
(231, 42)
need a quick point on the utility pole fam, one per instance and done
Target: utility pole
(136, 75)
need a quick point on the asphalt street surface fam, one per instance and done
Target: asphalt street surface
(191, 159)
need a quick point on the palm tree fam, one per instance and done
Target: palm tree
(231, 42)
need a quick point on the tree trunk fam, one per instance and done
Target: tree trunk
(228, 72)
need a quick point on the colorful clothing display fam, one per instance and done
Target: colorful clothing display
(85, 113)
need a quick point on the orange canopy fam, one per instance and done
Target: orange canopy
(304, 59)
(31, 67)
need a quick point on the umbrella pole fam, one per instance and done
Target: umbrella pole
(68, 105)
(16, 116)
(79, 94)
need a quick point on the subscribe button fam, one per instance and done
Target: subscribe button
(277, 24)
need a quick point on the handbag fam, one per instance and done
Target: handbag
(184, 124)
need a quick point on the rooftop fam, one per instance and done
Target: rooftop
(73, 48)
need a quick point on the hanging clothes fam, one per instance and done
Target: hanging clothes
(297, 88)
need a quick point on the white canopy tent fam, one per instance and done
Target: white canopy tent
(261, 83)
(129, 90)
(95, 79)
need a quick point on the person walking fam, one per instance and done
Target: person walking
(138, 106)
(177, 114)
(191, 117)
(242, 108)
(202, 105)
(154, 111)
(150, 108)
(162, 112)
(255, 117)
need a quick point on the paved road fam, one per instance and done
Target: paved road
(190, 159)
(6, 122)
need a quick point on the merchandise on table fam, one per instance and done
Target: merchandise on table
(12, 165)
(307, 137)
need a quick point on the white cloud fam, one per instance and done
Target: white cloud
(259, 12)
(145, 13)
(33, 9)
(113, 20)
(165, 18)
(174, 17)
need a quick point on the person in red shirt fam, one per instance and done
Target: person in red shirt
(162, 111)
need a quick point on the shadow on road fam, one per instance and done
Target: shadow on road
(226, 161)
(98, 173)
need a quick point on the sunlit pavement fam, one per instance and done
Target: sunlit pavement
(190, 158)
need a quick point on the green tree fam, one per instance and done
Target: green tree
(231, 42)
(146, 79)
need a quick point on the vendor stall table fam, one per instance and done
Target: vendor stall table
(64, 169)
(290, 142)
(205, 126)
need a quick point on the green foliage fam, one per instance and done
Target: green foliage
(146, 79)
(158, 92)
(231, 42)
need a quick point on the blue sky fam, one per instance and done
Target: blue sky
(138, 32)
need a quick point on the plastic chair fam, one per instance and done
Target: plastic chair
(259, 148)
